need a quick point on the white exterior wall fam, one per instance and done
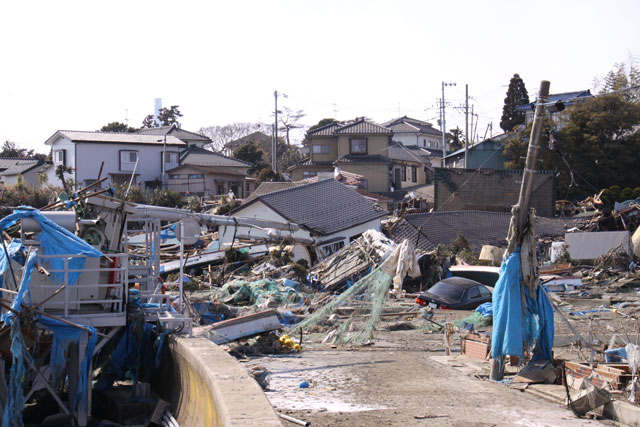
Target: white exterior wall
(418, 139)
(255, 210)
(261, 211)
(91, 156)
(29, 177)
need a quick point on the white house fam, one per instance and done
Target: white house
(413, 132)
(123, 154)
(28, 169)
(330, 215)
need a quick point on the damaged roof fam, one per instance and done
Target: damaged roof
(197, 156)
(478, 228)
(324, 207)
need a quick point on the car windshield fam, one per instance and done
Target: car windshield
(445, 290)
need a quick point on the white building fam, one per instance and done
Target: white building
(419, 133)
(123, 154)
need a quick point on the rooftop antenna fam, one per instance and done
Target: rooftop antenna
(335, 111)
(126, 116)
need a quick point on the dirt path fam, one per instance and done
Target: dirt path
(396, 383)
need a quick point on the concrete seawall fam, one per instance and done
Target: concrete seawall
(208, 387)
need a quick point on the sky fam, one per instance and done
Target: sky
(78, 65)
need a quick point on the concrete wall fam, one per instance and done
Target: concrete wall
(208, 387)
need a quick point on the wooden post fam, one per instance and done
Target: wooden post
(497, 364)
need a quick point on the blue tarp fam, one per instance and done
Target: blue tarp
(55, 240)
(485, 309)
(63, 336)
(515, 328)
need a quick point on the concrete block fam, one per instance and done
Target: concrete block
(591, 245)
(589, 399)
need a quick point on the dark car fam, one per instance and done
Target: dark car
(455, 293)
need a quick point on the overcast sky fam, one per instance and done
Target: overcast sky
(79, 65)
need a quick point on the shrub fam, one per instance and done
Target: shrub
(168, 198)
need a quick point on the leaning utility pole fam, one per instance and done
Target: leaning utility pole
(466, 124)
(444, 124)
(497, 366)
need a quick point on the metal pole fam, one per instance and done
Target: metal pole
(444, 130)
(164, 160)
(181, 264)
(466, 124)
(274, 147)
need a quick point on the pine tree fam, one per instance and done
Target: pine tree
(620, 78)
(516, 95)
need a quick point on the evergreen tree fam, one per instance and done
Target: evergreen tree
(516, 95)
(622, 76)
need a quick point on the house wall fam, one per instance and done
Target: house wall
(421, 140)
(255, 210)
(376, 144)
(377, 175)
(62, 143)
(90, 156)
(297, 174)
(421, 176)
(29, 178)
(333, 154)
(260, 210)
(209, 183)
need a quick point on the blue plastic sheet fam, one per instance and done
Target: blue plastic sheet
(16, 252)
(485, 309)
(615, 355)
(7, 317)
(513, 327)
(55, 240)
(63, 336)
(507, 309)
(12, 416)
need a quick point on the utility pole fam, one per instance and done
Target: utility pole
(444, 123)
(274, 146)
(466, 125)
(497, 366)
(472, 125)
(274, 143)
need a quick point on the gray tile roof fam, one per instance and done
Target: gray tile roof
(397, 151)
(181, 134)
(21, 167)
(197, 156)
(357, 127)
(363, 158)
(7, 162)
(308, 162)
(362, 127)
(270, 187)
(407, 124)
(478, 227)
(116, 138)
(326, 130)
(323, 207)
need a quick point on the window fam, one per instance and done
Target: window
(59, 156)
(331, 248)
(196, 176)
(424, 142)
(247, 187)
(484, 292)
(309, 173)
(128, 160)
(170, 157)
(473, 293)
(174, 176)
(358, 145)
(414, 174)
(364, 184)
(404, 173)
(88, 182)
(321, 149)
(220, 189)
